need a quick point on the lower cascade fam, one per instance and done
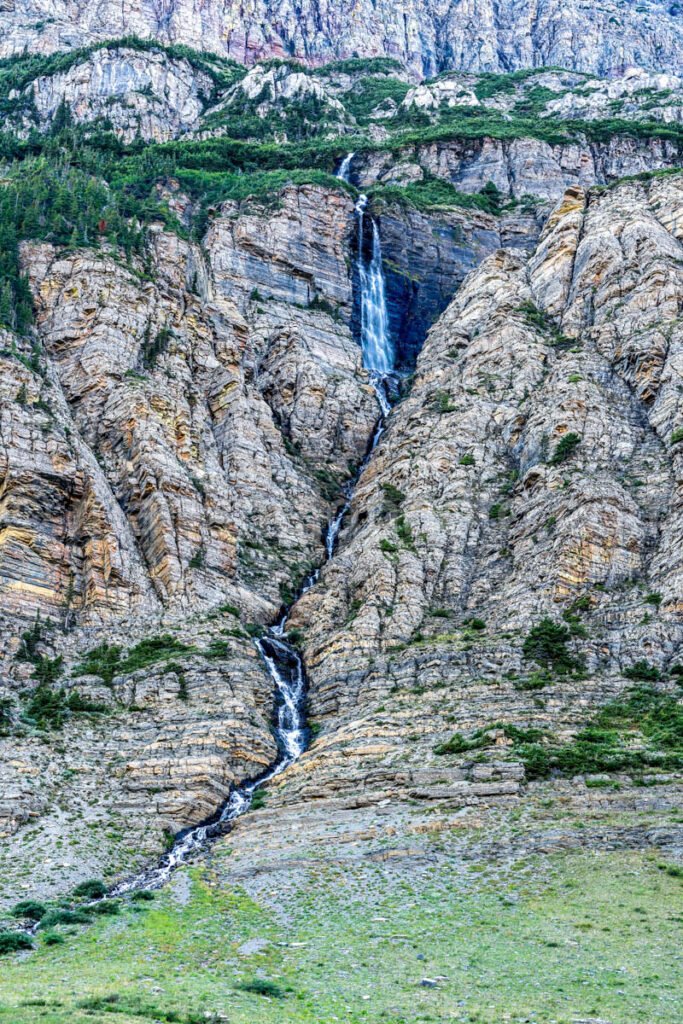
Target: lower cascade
(282, 660)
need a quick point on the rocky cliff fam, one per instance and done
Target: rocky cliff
(185, 409)
(426, 36)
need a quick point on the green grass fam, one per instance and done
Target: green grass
(550, 941)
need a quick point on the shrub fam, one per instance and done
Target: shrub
(607, 743)
(152, 349)
(108, 661)
(546, 644)
(654, 599)
(47, 670)
(106, 908)
(536, 681)
(478, 624)
(467, 460)
(674, 870)
(565, 449)
(393, 499)
(229, 609)
(677, 436)
(387, 547)
(404, 531)
(12, 942)
(197, 560)
(49, 709)
(28, 646)
(258, 800)
(442, 403)
(31, 910)
(262, 987)
(94, 889)
(642, 671)
(142, 896)
(461, 744)
(103, 661)
(53, 938)
(5, 715)
(64, 916)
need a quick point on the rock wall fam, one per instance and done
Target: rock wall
(173, 444)
(520, 167)
(468, 511)
(428, 37)
(140, 94)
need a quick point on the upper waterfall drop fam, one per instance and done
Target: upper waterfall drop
(378, 351)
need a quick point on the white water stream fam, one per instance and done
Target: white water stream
(281, 658)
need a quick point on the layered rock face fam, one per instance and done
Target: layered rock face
(522, 167)
(532, 470)
(173, 444)
(426, 36)
(140, 94)
(181, 421)
(166, 390)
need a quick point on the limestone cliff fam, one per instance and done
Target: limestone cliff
(427, 36)
(474, 520)
(184, 407)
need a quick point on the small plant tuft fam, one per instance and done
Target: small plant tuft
(565, 449)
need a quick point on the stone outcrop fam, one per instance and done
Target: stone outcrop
(471, 511)
(181, 423)
(524, 167)
(140, 94)
(162, 753)
(173, 441)
(486, 37)
(216, 416)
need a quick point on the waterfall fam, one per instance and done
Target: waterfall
(344, 171)
(375, 340)
(281, 658)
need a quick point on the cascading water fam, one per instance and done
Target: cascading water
(285, 668)
(376, 346)
(281, 658)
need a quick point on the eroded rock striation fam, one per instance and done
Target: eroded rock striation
(532, 471)
(185, 410)
(482, 37)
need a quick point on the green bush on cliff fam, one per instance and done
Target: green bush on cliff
(93, 889)
(108, 661)
(546, 644)
(639, 731)
(393, 499)
(360, 66)
(435, 193)
(642, 730)
(30, 910)
(5, 715)
(642, 671)
(48, 708)
(368, 93)
(565, 449)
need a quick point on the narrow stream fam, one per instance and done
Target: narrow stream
(280, 657)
